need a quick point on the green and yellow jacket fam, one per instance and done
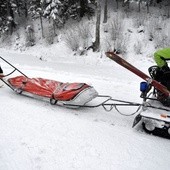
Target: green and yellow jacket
(161, 56)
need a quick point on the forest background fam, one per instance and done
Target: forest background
(103, 25)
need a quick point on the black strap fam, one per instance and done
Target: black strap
(1, 71)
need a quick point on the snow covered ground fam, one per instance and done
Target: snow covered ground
(35, 135)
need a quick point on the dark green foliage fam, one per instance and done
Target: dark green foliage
(7, 10)
(35, 8)
(58, 10)
(62, 10)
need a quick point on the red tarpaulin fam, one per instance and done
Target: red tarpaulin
(48, 88)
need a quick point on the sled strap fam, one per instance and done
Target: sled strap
(55, 92)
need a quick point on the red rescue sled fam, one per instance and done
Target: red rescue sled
(58, 92)
(69, 94)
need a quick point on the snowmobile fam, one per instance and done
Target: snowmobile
(154, 114)
(156, 118)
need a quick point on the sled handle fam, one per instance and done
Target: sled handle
(13, 67)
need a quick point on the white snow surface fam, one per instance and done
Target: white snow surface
(35, 135)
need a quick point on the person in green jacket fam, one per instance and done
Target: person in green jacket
(161, 56)
(162, 73)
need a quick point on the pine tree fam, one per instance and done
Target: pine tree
(36, 11)
(7, 23)
(3, 11)
(62, 10)
(53, 9)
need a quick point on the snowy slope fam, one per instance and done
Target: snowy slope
(35, 135)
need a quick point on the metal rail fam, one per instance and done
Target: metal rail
(15, 69)
(108, 104)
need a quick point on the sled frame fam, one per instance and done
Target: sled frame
(107, 104)
(10, 73)
(15, 69)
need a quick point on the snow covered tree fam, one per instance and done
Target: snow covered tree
(22, 7)
(85, 8)
(7, 23)
(61, 10)
(77, 9)
(53, 9)
(2, 15)
(36, 11)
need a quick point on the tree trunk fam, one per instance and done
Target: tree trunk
(96, 44)
(147, 5)
(168, 9)
(54, 28)
(82, 7)
(42, 28)
(126, 3)
(9, 12)
(117, 4)
(18, 9)
(139, 5)
(105, 12)
(25, 8)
